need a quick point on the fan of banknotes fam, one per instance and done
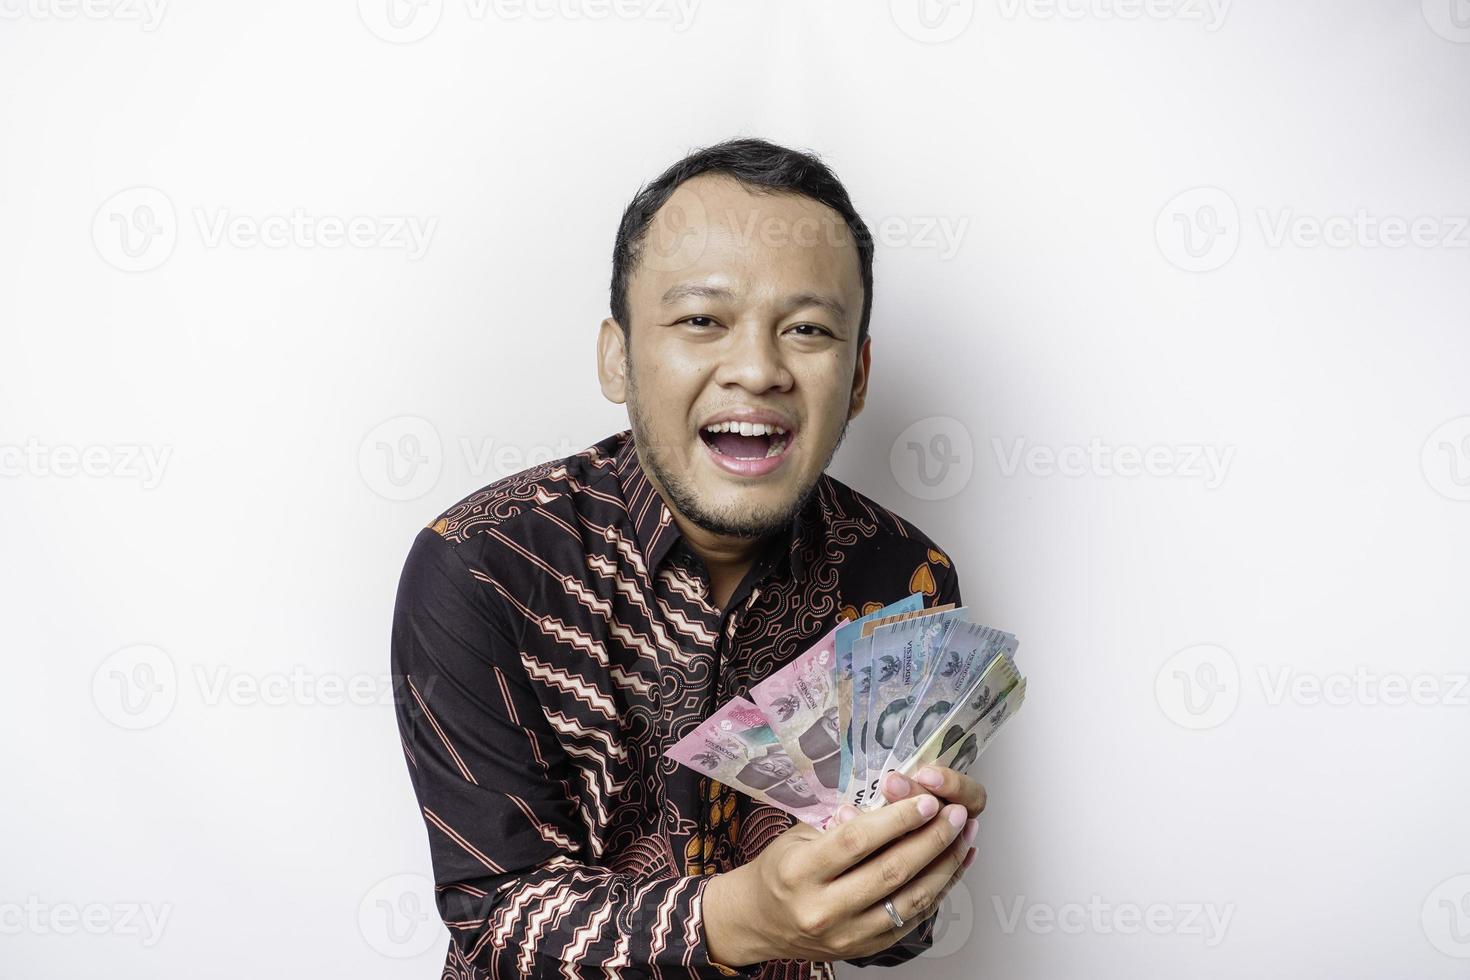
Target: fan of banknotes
(898, 688)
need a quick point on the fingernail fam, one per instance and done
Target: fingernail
(930, 777)
(970, 827)
(969, 857)
(928, 806)
(957, 818)
(896, 784)
(846, 812)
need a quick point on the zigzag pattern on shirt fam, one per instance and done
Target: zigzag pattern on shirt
(630, 591)
(683, 585)
(548, 916)
(628, 550)
(548, 832)
(554, 628)
(567, 725)
(575, 686)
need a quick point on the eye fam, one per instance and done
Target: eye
(707, 320)
(812, 326)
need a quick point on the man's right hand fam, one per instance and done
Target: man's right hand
(818, 895)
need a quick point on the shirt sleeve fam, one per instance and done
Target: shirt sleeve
(515, 877)
(922, 936)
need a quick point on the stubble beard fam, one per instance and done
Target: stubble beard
(748, 524)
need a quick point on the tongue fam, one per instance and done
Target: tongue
(742, 447)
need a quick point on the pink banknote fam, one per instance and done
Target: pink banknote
(737, 746)
(800, 702)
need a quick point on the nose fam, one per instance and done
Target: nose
(752, 359)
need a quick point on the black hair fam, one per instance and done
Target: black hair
(759, 164)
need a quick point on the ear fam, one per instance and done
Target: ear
(860, 378)
(612, 361)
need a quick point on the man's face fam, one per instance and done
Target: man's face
(740, 303)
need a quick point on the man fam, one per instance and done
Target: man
(559, 629)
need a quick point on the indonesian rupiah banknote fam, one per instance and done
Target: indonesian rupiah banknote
(737, 746)
(896, 689)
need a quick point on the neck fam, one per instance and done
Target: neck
(720, 553)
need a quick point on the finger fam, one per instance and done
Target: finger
(888, 870)
(917, 899)
(845, 844)
(896, 786)
(953, 786)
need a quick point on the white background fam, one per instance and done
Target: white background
(195, 709)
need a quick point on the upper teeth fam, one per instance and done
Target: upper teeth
(746, 428)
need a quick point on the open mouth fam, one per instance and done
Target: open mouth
(745, 440)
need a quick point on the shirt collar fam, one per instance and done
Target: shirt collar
(654, 523)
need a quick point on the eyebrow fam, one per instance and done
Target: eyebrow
(694, 290)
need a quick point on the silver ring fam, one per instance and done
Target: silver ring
(893, 913)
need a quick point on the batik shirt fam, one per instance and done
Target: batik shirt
(553, 635)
